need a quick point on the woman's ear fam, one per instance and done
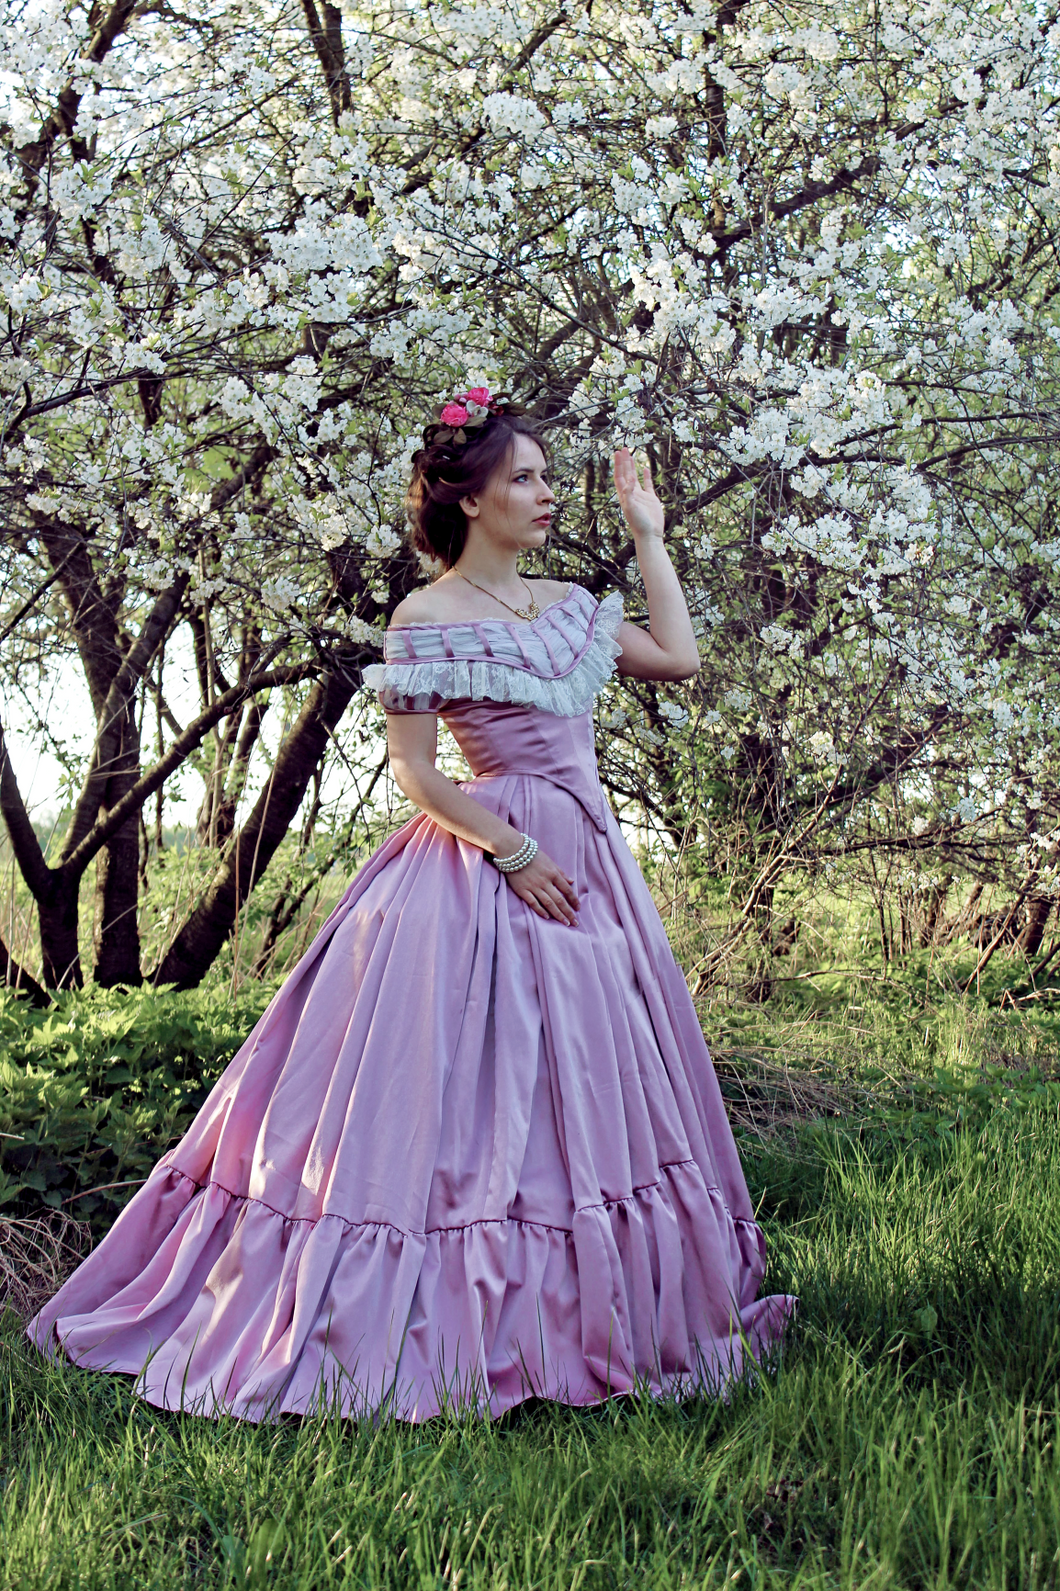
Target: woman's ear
(470, 505)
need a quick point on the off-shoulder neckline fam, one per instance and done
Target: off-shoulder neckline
(510, 624)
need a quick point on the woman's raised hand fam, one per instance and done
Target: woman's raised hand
(636, 495)
(546, 889)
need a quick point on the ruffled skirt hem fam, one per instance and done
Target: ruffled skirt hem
(228, 1306)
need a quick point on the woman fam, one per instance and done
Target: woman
(474, 1151)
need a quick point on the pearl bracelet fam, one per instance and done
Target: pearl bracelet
(518, 859)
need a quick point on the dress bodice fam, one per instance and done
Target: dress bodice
(502, 738)
(516, 696)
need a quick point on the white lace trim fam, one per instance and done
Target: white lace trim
(423, 686)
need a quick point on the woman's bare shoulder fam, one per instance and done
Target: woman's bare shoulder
(425, 606)
(548, 591)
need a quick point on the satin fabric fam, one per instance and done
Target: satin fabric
(466, 1156)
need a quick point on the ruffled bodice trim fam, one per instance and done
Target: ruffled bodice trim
(556, 663)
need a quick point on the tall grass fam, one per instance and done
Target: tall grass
(907, 1437)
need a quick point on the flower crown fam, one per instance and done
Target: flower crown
(468, 411)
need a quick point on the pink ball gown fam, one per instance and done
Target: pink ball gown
(467, 1156)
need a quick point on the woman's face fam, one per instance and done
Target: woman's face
(514, 508)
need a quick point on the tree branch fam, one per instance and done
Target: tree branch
(209, 925)
(17, 979)
(255, 466)
(24, 841)
(35, 596)
(840, 183)
(63, 119)
(111, 715)
(94, 621)
(525, 56)
(100, 833)
(327, 41)
(60, 399)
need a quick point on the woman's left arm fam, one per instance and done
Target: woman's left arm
(667, 650)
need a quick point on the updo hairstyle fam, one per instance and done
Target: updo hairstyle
(444, 471)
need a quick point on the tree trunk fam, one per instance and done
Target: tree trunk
(117, 933)
(94, 608)
(936, 899)
(57, 919)
(202, 935)
(53, 889)
(1033, 930)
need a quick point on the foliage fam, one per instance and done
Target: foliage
(906, 1054)
(906, 1438)
(94, 1089)
(806, 256)
(852, 931)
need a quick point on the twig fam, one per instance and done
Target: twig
(36, 1256)
(827, 972)
(35, 595)
(134, 1182)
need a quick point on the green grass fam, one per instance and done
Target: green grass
(906, 1439)
(904, 1048)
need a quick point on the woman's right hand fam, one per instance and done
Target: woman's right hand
(546, 889)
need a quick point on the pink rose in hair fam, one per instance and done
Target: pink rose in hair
(480, 395)
(454, 414)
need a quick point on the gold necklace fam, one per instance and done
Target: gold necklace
(529, 614)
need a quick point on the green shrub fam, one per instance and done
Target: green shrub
(94, 1089)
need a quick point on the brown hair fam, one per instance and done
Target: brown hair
(443, 472)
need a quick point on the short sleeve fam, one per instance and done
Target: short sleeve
(404, 687)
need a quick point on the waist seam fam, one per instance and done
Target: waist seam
(598, 818)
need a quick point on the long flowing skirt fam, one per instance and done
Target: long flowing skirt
(466, 1156)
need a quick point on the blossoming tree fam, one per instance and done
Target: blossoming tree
(805, 255)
